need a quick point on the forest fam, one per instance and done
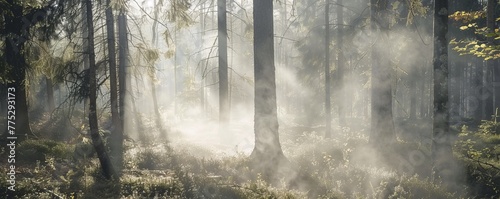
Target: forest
(249, 99)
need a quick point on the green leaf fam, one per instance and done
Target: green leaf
(490, 34)
(395, 5)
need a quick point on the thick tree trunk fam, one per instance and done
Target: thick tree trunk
(123, 56)
(16, 60)
(267, 151)
(382, 126)
(23, 128)
(97, 141)
(442, 155)
(328, 109)
(223, 77)
(116, 131)
(14, 44)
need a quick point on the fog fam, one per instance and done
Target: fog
(299, 60)
(380, 94)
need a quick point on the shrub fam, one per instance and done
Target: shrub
(31, 151)
(412, 187)
(479, 152)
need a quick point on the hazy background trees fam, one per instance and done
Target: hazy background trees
(295, 86)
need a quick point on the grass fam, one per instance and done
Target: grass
(318, 169)
(342, 167)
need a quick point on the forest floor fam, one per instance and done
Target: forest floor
(196, 161)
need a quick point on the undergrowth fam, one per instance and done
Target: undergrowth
(319, 169)
(479, 151)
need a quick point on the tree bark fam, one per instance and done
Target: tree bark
(223, 74)
(267, 150)
(17, 61)
(441, 142)
(97, 141)
(116, 130)
(123, 56)
(381, 99)
(85, 45)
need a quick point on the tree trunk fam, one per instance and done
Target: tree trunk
(116, 130)
(461, 69)
(123, 61)
(381, 101)
(202, 71)
(223, 77)
(328, 109)
(267, 151)
(478, 84)
(16, 60)
(231, 64)
(85, 45)
(493, 65)
(14, 44)
(50, 94)
(422, 95)
(3, 103)
(441, 142)
(340, 62)
(413, 93)
(158, 120)
(97, 141)
(136, 116)
(175, 74)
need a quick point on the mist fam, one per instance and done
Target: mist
(325, 99)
